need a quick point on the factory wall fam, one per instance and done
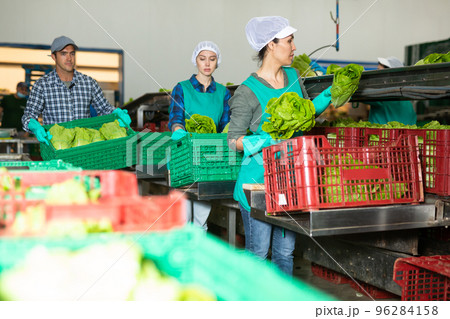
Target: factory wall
(158, 36)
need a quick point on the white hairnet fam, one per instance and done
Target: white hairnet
(262, 30)
(206, 45)
(391, 62)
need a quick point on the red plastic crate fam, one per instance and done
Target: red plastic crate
(380, 136)
(112, 183)
(306, 173)
(126, 214)
(164, 126)
(372, 291)
(330, 275)
(341, 136)
(434, 151)
(423, 278)
(435, 158)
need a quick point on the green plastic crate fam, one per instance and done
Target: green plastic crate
(191, 256)
(53, 165)
(202, 158)
(153, 147)
(111, 154)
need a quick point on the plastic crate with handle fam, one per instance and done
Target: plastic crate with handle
(423, 278)
(306, 173)
(202, 158)
(110, 154)
(434, 149)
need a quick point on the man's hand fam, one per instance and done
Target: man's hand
(41, 135)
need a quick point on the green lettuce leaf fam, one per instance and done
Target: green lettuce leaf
(288, 114)
(200, 124)
(435, 58)
(113, 130)
(332, 68)
(345, 83)
(301, 63)
(82, 137)
(96, 136)
(62, 137)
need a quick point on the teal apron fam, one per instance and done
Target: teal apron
(207, 104)
(252, 169)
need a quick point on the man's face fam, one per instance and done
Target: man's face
(22, 90)
(65, 59)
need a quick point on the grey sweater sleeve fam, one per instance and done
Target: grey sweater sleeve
(245, 114)
(246, 110)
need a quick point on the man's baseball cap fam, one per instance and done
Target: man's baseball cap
(61, 42)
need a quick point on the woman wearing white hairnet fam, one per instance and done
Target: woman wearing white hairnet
(273, 39)
(200, 95)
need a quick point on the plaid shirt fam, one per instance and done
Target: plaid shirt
(176, 109)
(57, 103)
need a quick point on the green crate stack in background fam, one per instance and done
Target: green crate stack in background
(191, 257)
(110, 154)
(202, 158)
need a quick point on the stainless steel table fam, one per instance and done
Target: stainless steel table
(433, 213)
(218, 193)
(20, 142)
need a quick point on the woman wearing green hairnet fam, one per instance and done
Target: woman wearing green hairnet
(273, 39)
(204, 96)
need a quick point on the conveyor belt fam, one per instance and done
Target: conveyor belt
(430, 81)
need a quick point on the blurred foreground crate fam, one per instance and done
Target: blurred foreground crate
(52, 165)
(192, 257)
(24, 209)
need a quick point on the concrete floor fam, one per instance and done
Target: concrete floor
(302, 271)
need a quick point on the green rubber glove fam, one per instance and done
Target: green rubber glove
(124, 118)
(255, 143)
(180, 133)
(41, 135)
(322, 101)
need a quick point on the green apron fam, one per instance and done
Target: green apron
(207, 104)
(388, 111)
(252, 169)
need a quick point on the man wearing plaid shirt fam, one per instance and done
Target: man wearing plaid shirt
(65, 94)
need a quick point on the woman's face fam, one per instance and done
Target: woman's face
(284, 50)
(206, 62)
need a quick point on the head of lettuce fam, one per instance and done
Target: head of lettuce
(345, 83)
(288, 114)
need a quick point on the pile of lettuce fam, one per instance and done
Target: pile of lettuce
(301, 63)
(355, 191)
(435, 58)
(64, 138)
(288, 114)
(345, 83)
(348, 122)
(200, 124)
